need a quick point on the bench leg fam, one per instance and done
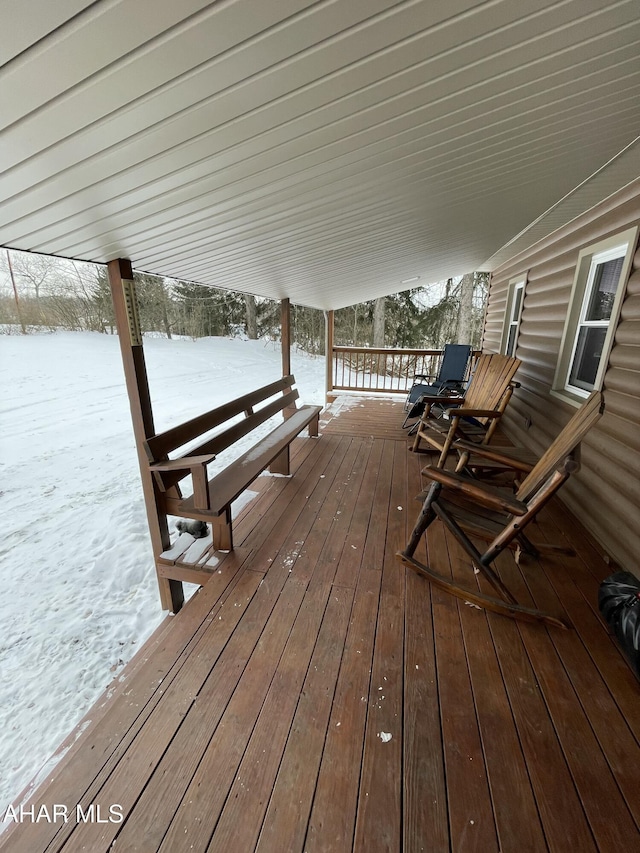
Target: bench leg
(222, 531)
(313, 427)
(280, 464)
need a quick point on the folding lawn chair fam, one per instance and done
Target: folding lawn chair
(450, 379)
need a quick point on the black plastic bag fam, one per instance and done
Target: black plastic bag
(619, 602)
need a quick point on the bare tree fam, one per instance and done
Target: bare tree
(15, 293)
(35, 270)
(465, 313)
(378, 321)
(252, 316)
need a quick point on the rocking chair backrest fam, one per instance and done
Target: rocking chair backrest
(566, 441)
(490, 382)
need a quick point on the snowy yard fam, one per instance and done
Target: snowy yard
(79, 589)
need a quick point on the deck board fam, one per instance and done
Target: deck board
(333, 814)
(290, 802)
(606, 811)
(514, 805)
(379, 823)
(561, 813)
(424, 787)
(254, 719)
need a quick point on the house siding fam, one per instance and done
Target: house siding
(605, 494)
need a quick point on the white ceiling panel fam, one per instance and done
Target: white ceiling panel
(322, 151)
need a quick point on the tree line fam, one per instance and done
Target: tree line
(39, 291)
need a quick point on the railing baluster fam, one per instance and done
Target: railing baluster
(394, 369)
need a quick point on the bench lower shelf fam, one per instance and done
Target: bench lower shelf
(190, 560)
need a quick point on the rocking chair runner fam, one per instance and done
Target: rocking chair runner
(483, 404)
(470, 507)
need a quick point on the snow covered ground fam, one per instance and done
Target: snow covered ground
(79, 594)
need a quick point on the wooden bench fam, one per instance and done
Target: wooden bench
(212, 498)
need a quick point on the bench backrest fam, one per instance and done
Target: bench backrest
(158, 447)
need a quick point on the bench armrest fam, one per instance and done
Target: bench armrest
(197, 465)
(185, 463)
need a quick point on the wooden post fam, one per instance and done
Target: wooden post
(285, 335)
(135, 372)
(328, 353)
(285, 340)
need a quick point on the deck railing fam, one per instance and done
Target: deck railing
(380, 370)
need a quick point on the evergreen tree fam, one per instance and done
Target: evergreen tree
(154, 303)
(208, 311)
(307, 328)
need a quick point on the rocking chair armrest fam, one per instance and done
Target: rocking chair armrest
(488, 496)
(474, 413)
(493, 453)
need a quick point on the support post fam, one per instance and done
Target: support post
(328, 352)
(285, 340)
(135, 372)
(285, 335)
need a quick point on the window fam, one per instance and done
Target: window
(594, 307)
(513, 313)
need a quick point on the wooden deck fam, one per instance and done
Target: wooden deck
(316, 695)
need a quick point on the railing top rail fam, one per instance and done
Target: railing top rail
(391, 350)
(388, 350)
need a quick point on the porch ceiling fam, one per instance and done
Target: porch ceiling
(322, 151)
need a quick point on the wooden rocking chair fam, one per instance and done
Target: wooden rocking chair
(476, 416)
(471, 507)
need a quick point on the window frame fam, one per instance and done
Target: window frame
(621, 245)
(510, 320)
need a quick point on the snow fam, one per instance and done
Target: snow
(79, 594)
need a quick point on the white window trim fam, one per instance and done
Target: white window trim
(619, 245)
(510, 320)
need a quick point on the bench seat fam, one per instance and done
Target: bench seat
(212, 496)
(228, 484)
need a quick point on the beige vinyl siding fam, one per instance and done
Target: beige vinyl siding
(605, 494)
